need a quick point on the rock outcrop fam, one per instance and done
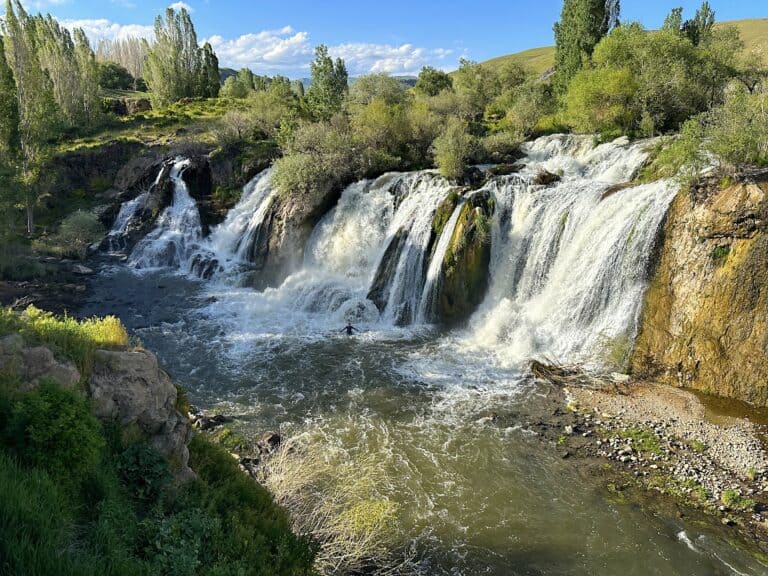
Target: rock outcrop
(464, 274)
(705, 320)
(32, 365)
(130, 387)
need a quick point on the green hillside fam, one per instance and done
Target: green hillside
(754, 32)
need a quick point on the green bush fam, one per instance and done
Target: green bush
(75, 234)
(452, 149)
(143, 471)
(53, 428)
(601, 101)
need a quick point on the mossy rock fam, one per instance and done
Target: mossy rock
(464, 275)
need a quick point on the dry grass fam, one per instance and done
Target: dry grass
(334, 497)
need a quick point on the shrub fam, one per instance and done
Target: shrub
(367, 88)
(234, 128)
(601, 100)
(144, 472)
(74, 339)
(432, 81)
(501, 146)
(732, 499)
(452, 148)
(268, 108)
(53, 428)
(76, 233)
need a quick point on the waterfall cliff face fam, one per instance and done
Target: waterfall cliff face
(568, 261)
(177, 233)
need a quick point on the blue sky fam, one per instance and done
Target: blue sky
(395, 36)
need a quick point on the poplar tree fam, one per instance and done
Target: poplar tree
(582, 24)
(176, 66)
(9, 145)
(325, 96)
(34, 99)
(210, 84)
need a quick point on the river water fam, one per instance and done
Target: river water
(473, 496)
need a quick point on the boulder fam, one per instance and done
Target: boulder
(34, 364)
(138, 105)
(545, 178)
(131, 388)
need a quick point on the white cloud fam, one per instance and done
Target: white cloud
(287, 51)
(267, 51)
(179, 5)
(102, 29)
(362, 58)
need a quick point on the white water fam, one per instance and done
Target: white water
(115, 240)
(231, 241)
(177, 233)
(430, 292)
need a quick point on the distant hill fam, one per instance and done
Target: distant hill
(754, 33)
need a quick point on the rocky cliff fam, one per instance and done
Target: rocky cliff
(705, 320)
(126, 386)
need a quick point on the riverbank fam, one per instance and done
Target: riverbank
(659, 446)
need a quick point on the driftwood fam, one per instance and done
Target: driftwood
(576, 376)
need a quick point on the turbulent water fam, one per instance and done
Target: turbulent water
(568, 270)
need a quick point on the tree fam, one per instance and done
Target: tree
(601, 100)
(245, 77)
(233, 88)
(113, 76)
(477, 85)
(9, 147)
(209, 76)
(582, 24)
(176, 67)
(452, 148)
(38, 117)
(129, 53)
(701, 25)
(372, 87)
(433, 81)
(325, 96)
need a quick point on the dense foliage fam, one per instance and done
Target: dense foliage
(83, 497)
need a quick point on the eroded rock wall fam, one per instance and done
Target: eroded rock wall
(705, 320)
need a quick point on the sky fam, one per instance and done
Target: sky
(395, 36)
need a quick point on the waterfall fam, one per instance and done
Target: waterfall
(117, 238)
(430, 292)
(231, 245)
(401, 269)
(177, 233)
(570, 262)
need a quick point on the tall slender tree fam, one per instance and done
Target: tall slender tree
(329, 84)
(582, 24)
(210, 84)
(176, 65)
(34, 96)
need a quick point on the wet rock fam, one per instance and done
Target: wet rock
(82, 270)
(545, 178)
(203, 422)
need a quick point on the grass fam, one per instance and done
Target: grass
(720, 254)
(643, 440)
(76, 340)
(735, 501)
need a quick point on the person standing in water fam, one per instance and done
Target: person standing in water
(349, 329)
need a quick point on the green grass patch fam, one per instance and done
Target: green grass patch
(643, 440)
(76, 340)
(720, 254)
(735, 501)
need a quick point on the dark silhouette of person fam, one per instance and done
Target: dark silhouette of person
(349, 329)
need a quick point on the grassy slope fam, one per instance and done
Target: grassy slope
(754, 32)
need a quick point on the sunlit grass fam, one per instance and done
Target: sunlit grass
(73, 339)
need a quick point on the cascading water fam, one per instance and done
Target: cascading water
(177, 233)
(116, 239)
(401, 269)
(570, 262)
(431, 285)
(440, 418)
